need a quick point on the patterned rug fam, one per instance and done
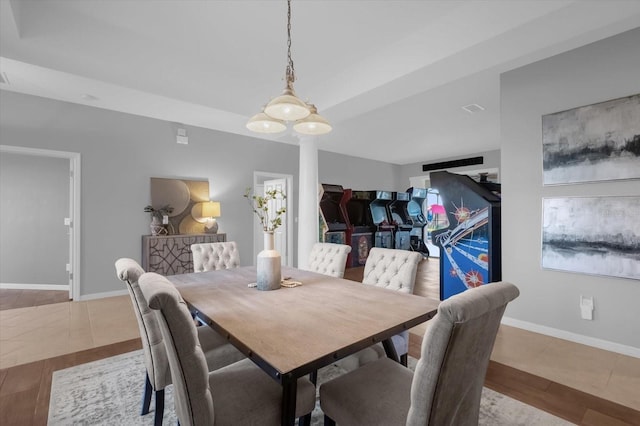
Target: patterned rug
(109, 392)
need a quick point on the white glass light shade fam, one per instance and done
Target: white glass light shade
(287, 107)
(314, 124)
(211, 209)
(262, 123)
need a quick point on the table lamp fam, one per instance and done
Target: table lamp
(211, 211)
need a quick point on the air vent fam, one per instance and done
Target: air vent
(472, 161)
(3, 78)
(473, 108)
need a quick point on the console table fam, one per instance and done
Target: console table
(171, 254)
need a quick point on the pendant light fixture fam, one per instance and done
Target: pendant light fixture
(287, 106)
(313, 124)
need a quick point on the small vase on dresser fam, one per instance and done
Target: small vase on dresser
(157, 227)
(269, 265)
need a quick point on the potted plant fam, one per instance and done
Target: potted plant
(159, 219)
(270, 221)
(269, 261)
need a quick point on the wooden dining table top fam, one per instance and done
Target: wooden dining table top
(294, 331)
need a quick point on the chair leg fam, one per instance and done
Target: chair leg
(328, 421)
(313, 377)
(157, 419)
(305, 420)
(404, 359)
(146, 397)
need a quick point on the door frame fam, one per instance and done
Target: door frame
(259, 177)
(74, 208)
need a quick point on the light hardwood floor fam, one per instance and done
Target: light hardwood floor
(581, 384)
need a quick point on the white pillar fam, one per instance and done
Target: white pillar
(307, 199)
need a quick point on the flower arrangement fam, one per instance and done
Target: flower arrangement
(270, 221)
(160, 212)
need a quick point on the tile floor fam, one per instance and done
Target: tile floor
(41, 332)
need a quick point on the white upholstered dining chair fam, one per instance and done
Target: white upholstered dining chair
(239, 394)
(446, 388)
(218, 352)
(329, 259)
(214, 256)
(394, 270)
(391, 269)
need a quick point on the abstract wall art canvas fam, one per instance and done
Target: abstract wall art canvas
(592, 235)
(592, 143)
(183, 195)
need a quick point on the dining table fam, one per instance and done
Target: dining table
(294, 331)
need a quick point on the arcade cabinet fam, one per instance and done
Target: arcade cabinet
(379, 207)
(470, 247)
(401, 220)
(361, 225)
(418, 220)
(334, 214)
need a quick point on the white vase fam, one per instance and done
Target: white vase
(269, 265)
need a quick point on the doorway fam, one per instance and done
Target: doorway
(40, 216)
(284, 235)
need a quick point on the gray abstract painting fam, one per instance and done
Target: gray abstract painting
(592, 235)
(592, 143)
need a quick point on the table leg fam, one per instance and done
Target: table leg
(289, 391)
(390, 350)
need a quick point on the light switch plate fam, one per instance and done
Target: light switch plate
(586, 307)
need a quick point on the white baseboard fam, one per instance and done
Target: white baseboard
(20, 286)
(103, 295)
(573, 337)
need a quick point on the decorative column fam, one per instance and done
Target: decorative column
(307, 199)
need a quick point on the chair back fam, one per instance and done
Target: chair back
(448, 380)
(155, 355)
(214, 256)
(189, 372)
(329, 259)
(392, 269)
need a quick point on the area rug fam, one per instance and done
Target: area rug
(109, 392)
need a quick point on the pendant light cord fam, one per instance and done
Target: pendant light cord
(290, 73)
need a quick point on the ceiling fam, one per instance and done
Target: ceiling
(391, 76)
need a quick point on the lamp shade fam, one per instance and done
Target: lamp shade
(287, 107)
(262, 123)
(314, 124)
(211, 209)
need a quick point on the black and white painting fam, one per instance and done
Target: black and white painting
(592, 235)
(592, 143)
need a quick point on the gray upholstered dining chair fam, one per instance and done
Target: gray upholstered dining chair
(218, 351)
(447, 384)
(214, 256)
(239, 394)
(329, 259)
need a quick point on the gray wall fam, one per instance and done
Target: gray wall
(491, 160)
(594, 73)
(34, 248)
(120, 152)
(357, 173)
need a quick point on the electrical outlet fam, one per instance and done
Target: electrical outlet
(586, 307)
